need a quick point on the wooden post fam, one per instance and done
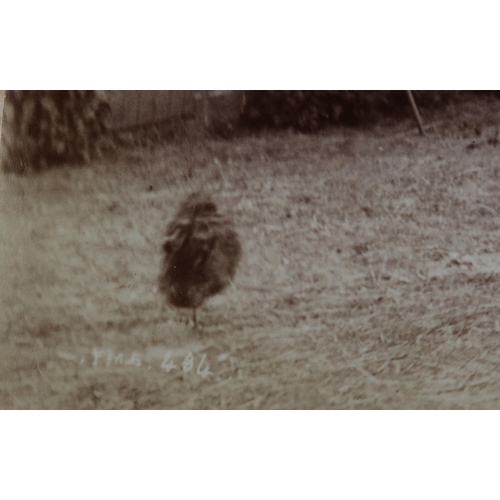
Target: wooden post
(416, 114)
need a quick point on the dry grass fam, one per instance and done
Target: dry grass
(370, 276)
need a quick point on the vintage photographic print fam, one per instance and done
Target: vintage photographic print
(249, 250)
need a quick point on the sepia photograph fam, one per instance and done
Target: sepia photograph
(329, 258)
(249, 250)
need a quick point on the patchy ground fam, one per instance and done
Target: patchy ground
(370, 276)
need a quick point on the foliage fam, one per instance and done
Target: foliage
(309, 111)
(44, 128)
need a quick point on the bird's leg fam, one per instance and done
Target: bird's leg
(194, 319)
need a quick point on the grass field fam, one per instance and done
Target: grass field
(370, 276)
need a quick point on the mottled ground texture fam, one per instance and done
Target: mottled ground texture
(370, 276)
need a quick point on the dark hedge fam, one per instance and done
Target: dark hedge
(311, 110)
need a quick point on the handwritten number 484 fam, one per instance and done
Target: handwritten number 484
(187, 365)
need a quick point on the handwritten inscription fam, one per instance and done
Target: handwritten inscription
(108, 357)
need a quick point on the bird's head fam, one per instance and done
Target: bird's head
(198, 204)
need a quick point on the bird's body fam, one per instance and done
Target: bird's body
(201, 253)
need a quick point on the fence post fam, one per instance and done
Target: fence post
(416, 114)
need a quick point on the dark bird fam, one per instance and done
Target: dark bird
(201, 253)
